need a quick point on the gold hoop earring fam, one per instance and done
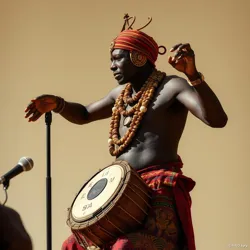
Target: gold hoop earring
(137, 58)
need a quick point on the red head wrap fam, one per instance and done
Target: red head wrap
(135, 40)
(138, 41)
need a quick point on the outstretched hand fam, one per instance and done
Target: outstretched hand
(184, 60)
(39, 106)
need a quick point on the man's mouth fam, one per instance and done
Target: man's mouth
(118, 76)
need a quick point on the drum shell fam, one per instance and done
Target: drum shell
(125, 213)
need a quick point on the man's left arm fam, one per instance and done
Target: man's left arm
(202, 102)
(197, 96)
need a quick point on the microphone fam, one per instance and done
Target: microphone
(24, 164)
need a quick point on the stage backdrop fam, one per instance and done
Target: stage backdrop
(62, 48)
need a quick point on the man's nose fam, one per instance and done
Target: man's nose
(113, 67)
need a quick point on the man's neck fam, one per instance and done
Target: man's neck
(139, 79)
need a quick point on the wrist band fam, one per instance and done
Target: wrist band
(60, 105)
(197, 81)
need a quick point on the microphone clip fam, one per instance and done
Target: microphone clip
(6, 184)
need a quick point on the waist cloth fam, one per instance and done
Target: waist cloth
(169, 223)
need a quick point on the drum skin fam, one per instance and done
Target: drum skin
(125, 213)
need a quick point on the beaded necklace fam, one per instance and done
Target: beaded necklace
(143, 98)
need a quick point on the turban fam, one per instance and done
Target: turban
(138, 41)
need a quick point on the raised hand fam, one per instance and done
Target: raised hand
(184, 60)
(39, 106)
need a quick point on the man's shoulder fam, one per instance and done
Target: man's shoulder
(173, 79)
(170, 87)
(114, 93)
(175, 83)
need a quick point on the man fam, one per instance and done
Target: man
(148, 113)
(13, 235)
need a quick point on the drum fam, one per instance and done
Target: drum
(113, 202)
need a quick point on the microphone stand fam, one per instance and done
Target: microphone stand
(48, 120)
(5, 187)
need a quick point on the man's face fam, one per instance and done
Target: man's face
(122, 67)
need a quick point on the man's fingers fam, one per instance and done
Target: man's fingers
(29, 110)
(30, 106)
(35, 116)
(179, 48)
(175, 47)
(171, 61)
(185, 46)
(180, 53)
(177, 54)
(185, 54)
(28, 114)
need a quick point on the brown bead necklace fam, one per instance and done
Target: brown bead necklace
(134, 115)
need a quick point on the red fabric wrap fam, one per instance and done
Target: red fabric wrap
(138, 41)
(169, 224)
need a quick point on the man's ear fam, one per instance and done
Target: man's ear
(138, 59)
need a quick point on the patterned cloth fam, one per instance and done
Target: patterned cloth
(169, 224)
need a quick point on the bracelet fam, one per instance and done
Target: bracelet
(60, 105)
(197, 81)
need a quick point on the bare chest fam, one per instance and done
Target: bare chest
(154, 118)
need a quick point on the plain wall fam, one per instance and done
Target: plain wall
(62, 48)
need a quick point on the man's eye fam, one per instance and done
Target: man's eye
(116, 59)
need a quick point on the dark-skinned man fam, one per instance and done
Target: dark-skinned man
(148, 111)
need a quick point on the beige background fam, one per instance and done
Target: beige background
(62, 47)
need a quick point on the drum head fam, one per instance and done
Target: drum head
(97, 193)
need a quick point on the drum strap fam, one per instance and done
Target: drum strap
(81, 240)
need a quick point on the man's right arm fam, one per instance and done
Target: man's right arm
(80, 114)
(73, 112)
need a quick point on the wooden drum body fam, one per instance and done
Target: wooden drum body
(113, 202)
